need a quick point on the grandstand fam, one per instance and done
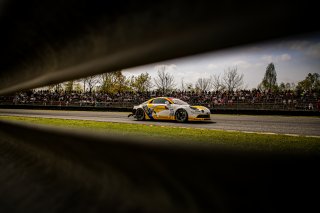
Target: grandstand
(237, 100)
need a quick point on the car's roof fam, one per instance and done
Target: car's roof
(164, 97)
(168, 98)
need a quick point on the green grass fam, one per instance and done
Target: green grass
(240, 140)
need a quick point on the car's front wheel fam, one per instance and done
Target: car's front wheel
(140, 114)
(181, 115)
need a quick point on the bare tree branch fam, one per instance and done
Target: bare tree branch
(164, 81)
(203, 84)
(232, 79)
(92, 81)
(216, 83)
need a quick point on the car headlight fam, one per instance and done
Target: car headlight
(193, 108)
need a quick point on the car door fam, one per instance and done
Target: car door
(160, 109)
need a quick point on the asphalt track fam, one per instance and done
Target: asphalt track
(292, 125)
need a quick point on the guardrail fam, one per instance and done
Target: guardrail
(123, 107)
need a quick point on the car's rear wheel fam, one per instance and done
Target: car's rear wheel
(140, 114)
(181, 115)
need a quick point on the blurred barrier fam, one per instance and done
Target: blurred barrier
(48, 42)
(85, 172)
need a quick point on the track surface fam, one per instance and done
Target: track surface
(271, 124)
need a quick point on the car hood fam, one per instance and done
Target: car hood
(200, 107)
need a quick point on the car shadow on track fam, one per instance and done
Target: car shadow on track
(199, 122)
(176, 122)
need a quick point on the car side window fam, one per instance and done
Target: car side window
(155, 101)
(159, 101)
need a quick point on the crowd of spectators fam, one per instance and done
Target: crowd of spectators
(254, 98)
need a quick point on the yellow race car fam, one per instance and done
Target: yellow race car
(165, 108)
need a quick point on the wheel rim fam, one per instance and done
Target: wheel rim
(181, 115)
(139, 114)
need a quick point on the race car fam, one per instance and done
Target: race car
(165, 108)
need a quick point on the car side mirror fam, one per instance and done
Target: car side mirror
(167, 102)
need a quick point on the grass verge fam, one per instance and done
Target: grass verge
(239, 140)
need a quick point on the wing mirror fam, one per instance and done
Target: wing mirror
(167, 102)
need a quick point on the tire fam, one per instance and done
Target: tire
(140, 116)
(181, 115)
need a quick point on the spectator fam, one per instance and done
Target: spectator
(310, 106)
(289, 99)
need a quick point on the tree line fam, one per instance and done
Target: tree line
(164, 82)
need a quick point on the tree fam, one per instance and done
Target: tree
(232, 79)
(141, 83)
(286, 86)
(270, 78)
(55, 87)
(84, 83)
(183, 85)
(282, 86)
(203, 84)
(121, 82)
(216, 83)
(89, 83)
(92, 81)
(310, 83)
(77, 87)
(164, 81)
(69, 86)
(107, 82)
(189, 87)
(114, 82)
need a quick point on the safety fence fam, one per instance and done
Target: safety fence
(236, 105)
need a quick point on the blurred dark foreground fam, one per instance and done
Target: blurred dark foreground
(81, 172)
(49, 170)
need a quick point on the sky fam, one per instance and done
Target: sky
(293, 57)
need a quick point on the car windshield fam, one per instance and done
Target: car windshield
(179, 102)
